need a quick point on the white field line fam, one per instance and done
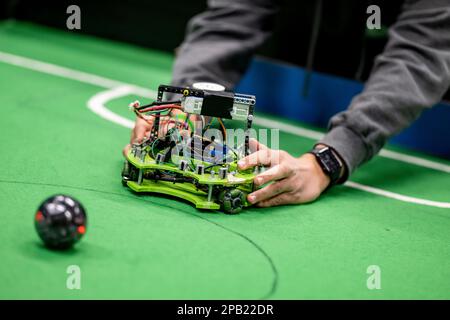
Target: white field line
(397, 196)
(119, 89)
(100, 81)
(59, 71)
(97, 104)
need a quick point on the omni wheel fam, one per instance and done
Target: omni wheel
(232, 200)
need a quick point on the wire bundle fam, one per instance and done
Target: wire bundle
(181, 121)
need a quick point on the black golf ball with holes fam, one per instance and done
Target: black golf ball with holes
(60, 222)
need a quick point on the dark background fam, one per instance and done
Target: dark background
(344, 46)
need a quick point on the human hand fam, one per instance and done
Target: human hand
(292, 180)
(142, 128)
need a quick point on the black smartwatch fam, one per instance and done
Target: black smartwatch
(329, 163)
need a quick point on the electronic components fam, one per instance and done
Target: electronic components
(223, 173)
(188, 153)
(200, 169)
(220, 104)
(211, 101)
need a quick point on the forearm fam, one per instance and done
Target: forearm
(221, 41)
(411, 74)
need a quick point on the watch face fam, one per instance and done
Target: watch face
(325, 160)
(329, 163)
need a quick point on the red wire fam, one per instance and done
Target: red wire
(162, 107)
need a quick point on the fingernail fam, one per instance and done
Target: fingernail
(241, 163)
(258, 180)
(251, 198)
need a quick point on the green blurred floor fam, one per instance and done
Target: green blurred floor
(140, 247)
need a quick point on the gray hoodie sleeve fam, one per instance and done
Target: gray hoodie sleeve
(412, 73)
(220, 42)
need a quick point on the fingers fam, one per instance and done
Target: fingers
(277, 172)
(126, 149)
(297, 180)
(261, 157)
(141, 128)
(255, 145)
(139, 131)
(269, 191)
(284, 198)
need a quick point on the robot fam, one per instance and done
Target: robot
(187, 161)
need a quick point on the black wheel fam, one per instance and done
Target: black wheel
(232, 200)
(129, 173)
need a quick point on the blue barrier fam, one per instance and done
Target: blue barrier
(279, 91)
